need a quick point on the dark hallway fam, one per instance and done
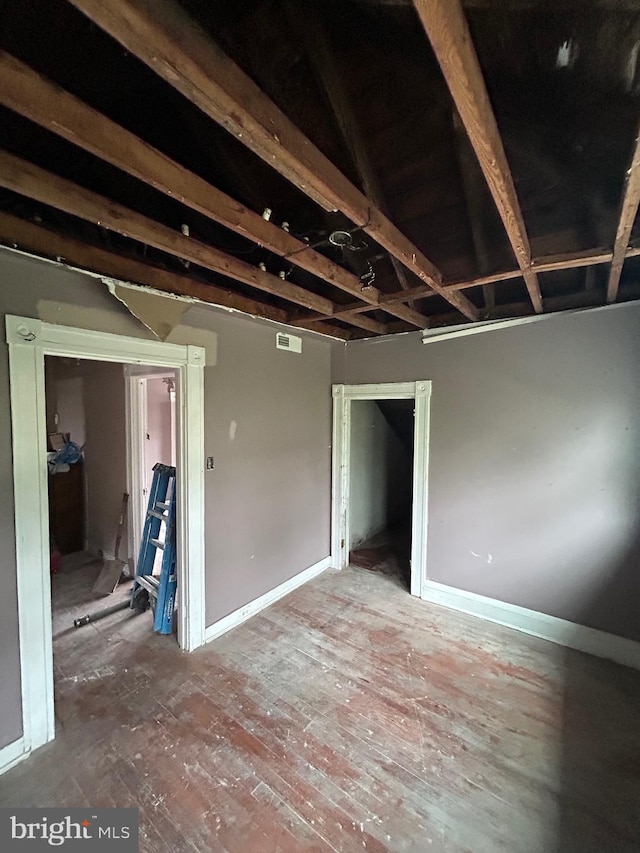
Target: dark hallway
(381, 474)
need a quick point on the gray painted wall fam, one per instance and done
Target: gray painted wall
(158, 424)
(534, 460)
(268, 498)
(64, 387)
(93, 411)
(105, 454)
(378, 465)
(268, 428)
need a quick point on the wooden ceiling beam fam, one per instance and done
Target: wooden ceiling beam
(164, 37)
(366, 323)
(566, 302)
(36, 98)
(572, 260)
(340, 311)
(27, 236)
(330, 330)
(353, 308)
(545, 263)
(410, 315)
(448, 32)
(349, 313)
(20, 234)
(36, 183)
(360, 321)
(628, 211)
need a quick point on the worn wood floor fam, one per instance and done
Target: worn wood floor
(346, 717)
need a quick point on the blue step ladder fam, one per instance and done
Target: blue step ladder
(159, 591)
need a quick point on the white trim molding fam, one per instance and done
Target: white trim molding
(343, 397)
(12, 754)
(560, 631)
(243, 613)
(135, 381)
(447, 333)
(29, 341)
(135, 411)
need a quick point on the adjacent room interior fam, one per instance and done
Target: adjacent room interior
(98, 493)
(362, 278)
(381, 486)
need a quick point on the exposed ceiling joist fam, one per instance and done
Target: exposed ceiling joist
(162, 36)
(27, 236)
(36, 183)
(32, 96)
(545, 263)
(567, 302)
(349, 313)
(340, 311)
(572, 260)
(353, 308)
(628, 211)
(409, 315)
(368, 324)
(448, 32)
(30, 237)
(333, 331)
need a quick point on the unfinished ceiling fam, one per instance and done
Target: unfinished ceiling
(358, 167)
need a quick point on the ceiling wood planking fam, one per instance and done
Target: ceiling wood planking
(448, 32)
(19, 233)
(628, 211)
(32, 96)
(163, 36)
(36, 183)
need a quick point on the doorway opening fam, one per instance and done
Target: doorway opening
(381, 493)
(151, 396)
(93, 555)
(379, 484)
(29, 341)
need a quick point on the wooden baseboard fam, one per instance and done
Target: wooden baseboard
(560, 631)
(243, 613)
(12, 754)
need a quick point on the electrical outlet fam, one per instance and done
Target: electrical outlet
(209, 463)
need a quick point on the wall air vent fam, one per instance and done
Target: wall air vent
(290, 342)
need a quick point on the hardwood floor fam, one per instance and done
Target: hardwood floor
(348, 716)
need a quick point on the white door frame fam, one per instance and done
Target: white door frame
(343, 396)
(135, 380)
(29, 341)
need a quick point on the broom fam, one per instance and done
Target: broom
(111, 571)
